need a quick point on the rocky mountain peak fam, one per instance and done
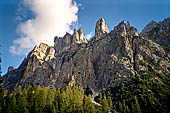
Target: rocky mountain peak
(153, 24)
(78, 37)
(10, 68)
(43, 52)
(99, 63)
(69, 41)
(101, 29)
(150, 26)
(122, 29)
(166, 22)
(81, 35)
(158, 32)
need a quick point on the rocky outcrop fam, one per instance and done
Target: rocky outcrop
(10, 68)
(158, 32)
(63, 44)
(123, 29)
(43, 52)
(78, 37)
(101, 29)
(105, 61)
(153, 24)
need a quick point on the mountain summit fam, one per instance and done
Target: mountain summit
(158, 32)
(104, 61)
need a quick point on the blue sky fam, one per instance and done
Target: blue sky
(138, 12)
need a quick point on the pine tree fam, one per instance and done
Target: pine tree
(21, 102)
(2, 94)
(63, 102)
(30, 98)
(100, 98)
(68, 99)
(49, 98)
(56, 102)
(137, 106)
(88, 105)
(25, 93)
(110, 103)
(105, 105)
(2, 99)
(49, 109)
(0, 109)
(120, 107)
(39, 101)
(127, 109)
(133, 109)
(124, 106)
(10, 104)
(88, 91)
(78, 96)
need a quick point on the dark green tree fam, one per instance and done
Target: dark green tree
(120, 107)
(30, 98)
(88, 91)
(137, 106)
(10, 104)
(39, 101)
(110, 104)
(105, 105)
(21, 101)
(88, 105)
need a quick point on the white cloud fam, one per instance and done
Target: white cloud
(52, 18)
(88, 36)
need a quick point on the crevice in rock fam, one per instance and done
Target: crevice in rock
(63, 60)
(134, 53)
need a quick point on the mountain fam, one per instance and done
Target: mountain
(158, 32)
(106, 60)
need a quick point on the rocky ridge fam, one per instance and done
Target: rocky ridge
(104, 61)
(158, 32)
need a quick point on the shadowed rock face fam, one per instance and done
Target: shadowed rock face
(102, 62)
(158, 32)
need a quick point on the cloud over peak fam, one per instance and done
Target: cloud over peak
(51, 18)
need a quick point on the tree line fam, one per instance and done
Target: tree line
(148, 93)
(45, 100)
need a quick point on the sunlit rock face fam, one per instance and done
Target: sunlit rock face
(123, 29)
(101, 29)
(104, 61)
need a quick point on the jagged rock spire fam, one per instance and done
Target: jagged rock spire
(78, 37)
(128, 24)
(101, 28)
(122, 29)
(81, 35)
(69, 41)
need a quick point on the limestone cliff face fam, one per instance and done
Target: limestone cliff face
(102, 62)
(123, 29)
(101, 29)
(69, 42)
